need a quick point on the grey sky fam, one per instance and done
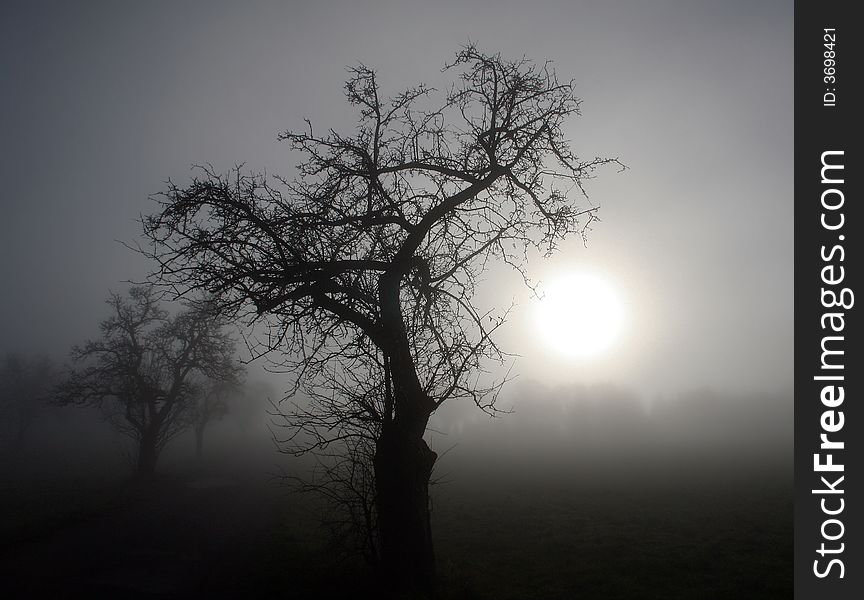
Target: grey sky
(103, 102)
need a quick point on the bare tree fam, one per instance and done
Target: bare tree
(208, 405)
(344, 476)
(142, 371)
(364, 266)
(24, 382)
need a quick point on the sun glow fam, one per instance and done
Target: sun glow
(579, 315)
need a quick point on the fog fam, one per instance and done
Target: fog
(595, 428)
(605, 430)
(568, 481)
(103, 103)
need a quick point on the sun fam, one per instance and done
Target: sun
(580, 314)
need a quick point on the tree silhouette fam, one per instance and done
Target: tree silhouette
(24, 382)
(208, 405)
(364, 266)
(146, 369)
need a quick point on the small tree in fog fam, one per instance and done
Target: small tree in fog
(144, 371)
(24, 382)
(365, 265)
(208, 405)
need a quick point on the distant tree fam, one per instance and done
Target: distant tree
(255, 399)
(210, 404)
(24, 382)
(144, 371)
(365, 265)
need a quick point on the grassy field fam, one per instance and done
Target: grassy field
(499, 535)
(584, 540)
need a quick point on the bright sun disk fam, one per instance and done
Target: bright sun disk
(580, 315)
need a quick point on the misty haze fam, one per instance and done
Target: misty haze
(394, 301)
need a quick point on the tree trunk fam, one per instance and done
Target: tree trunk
(403, 466)
(403, 463)
(147, 455)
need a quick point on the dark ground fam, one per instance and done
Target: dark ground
(499, 535)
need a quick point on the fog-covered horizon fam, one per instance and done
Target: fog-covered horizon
(539, 429)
